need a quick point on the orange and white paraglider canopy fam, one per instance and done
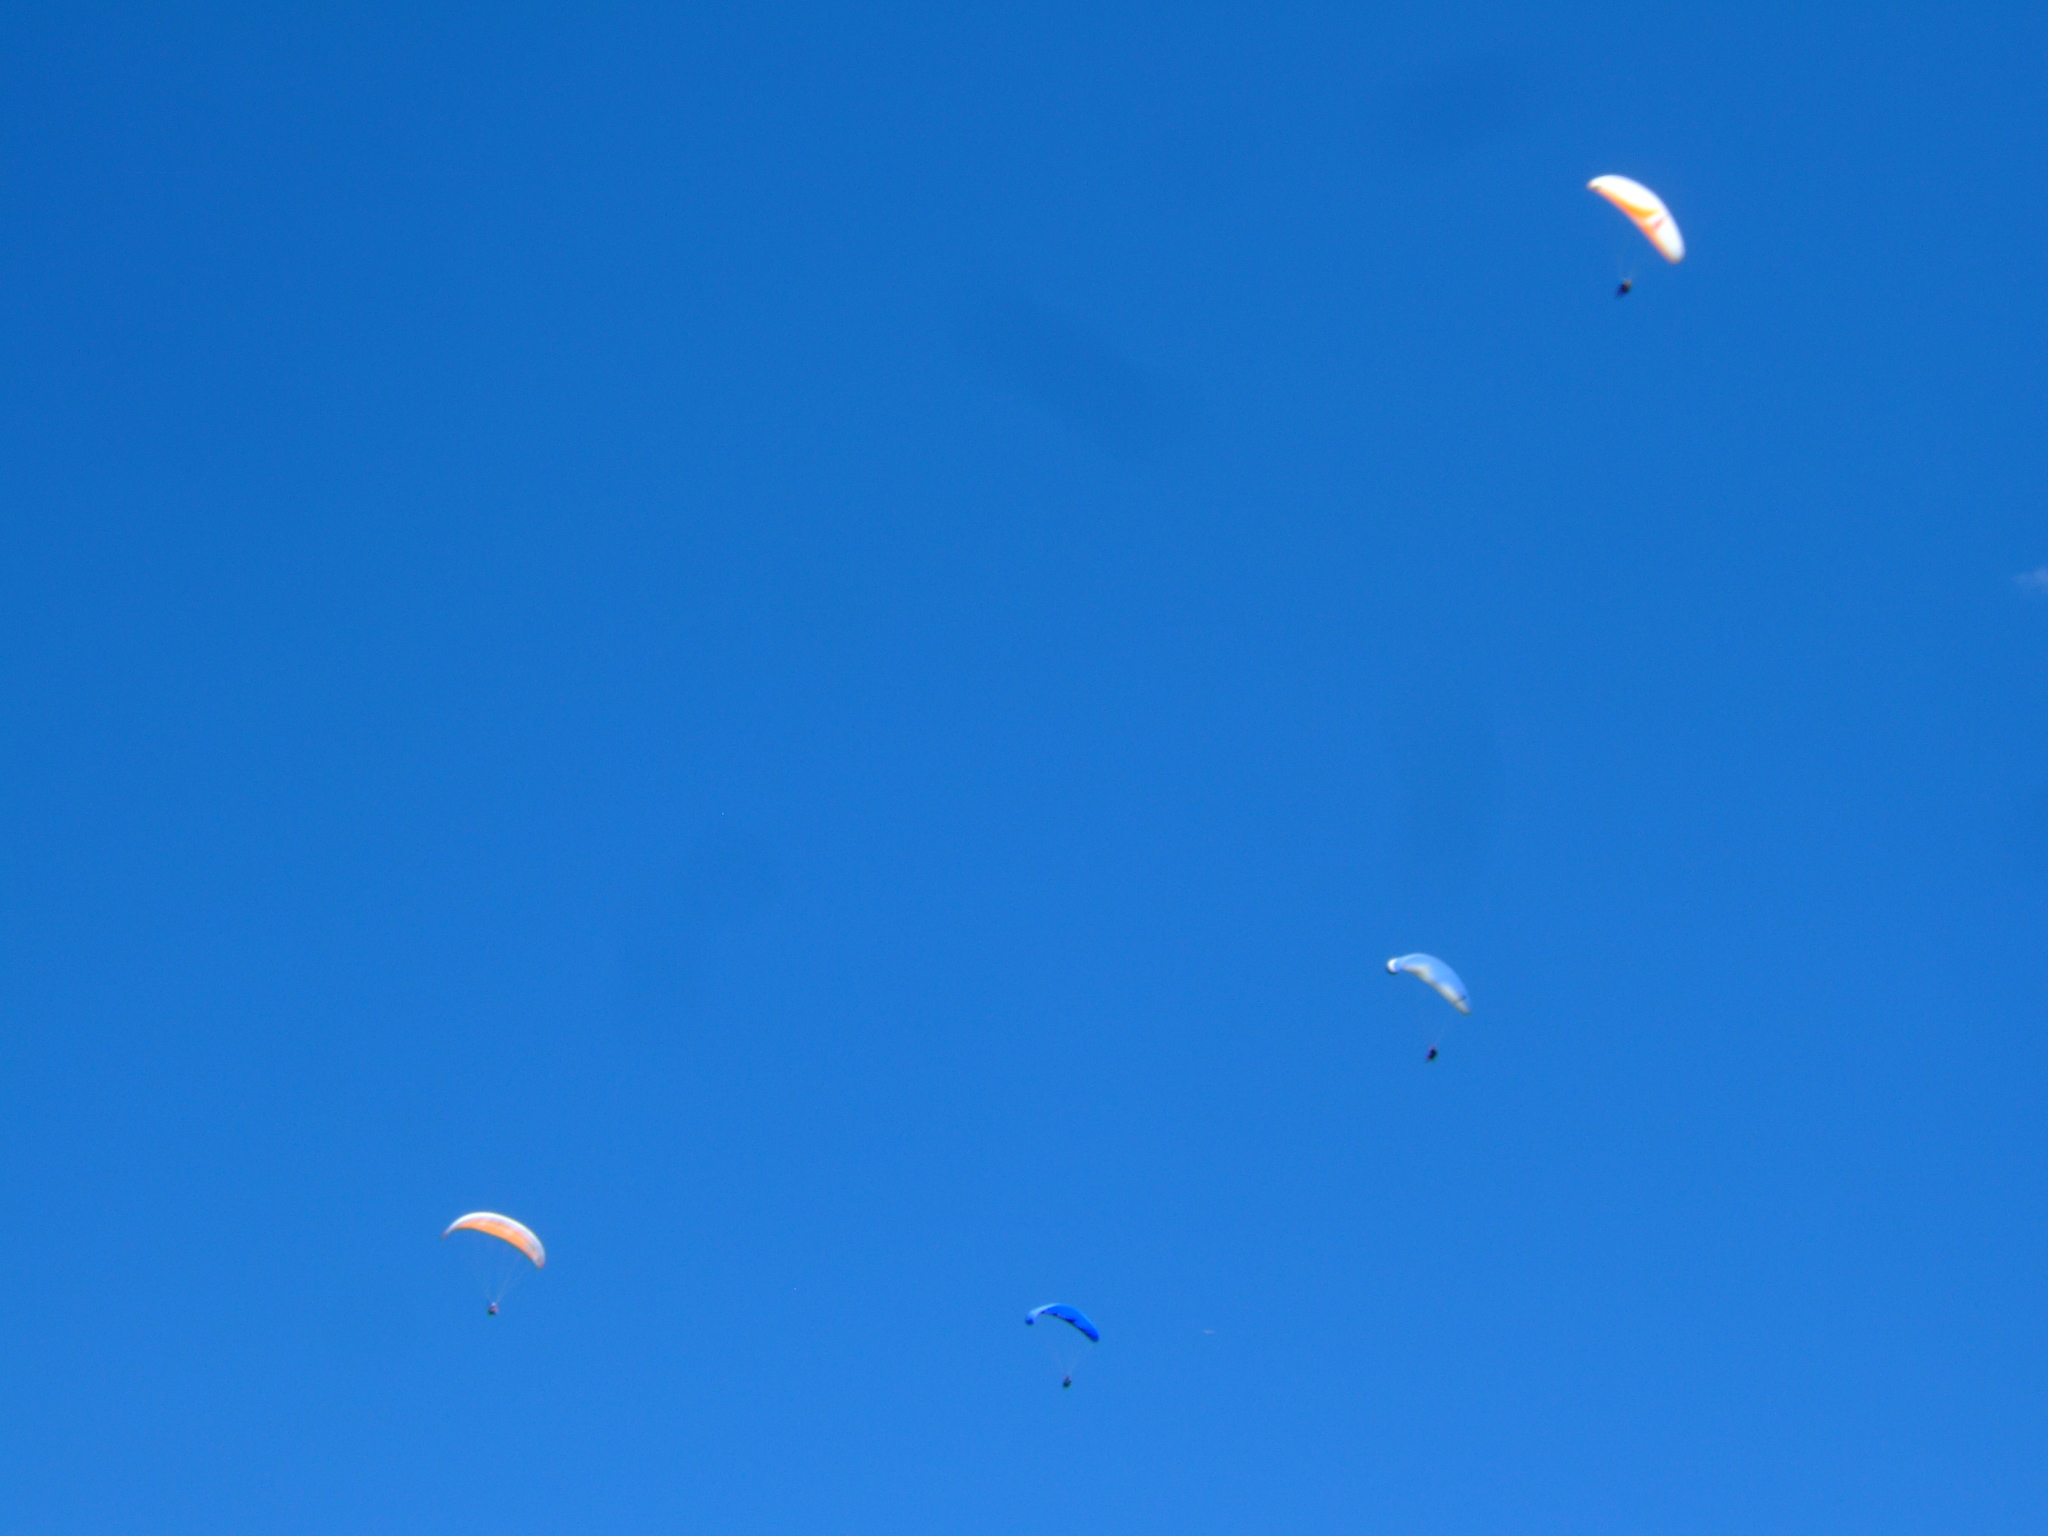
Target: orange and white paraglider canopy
(517, 1233)
(1645, 210)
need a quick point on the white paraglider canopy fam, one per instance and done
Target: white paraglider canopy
(1440, 976)
(1645, 210)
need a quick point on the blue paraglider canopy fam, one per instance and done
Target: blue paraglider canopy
(1065, 1314)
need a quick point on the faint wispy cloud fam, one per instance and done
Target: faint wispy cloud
(2034, 583)
(1072, 370)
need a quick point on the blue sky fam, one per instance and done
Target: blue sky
(822, 650)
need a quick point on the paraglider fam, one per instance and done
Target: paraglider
(1066, 1351)
(1439, 976)
(1646, 210)
(500, 1266)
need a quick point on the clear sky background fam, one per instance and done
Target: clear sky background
(823, 649)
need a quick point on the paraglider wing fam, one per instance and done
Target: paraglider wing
(1065, 1314)
(1646, 210)
(491, 1224)
(1440, 976)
